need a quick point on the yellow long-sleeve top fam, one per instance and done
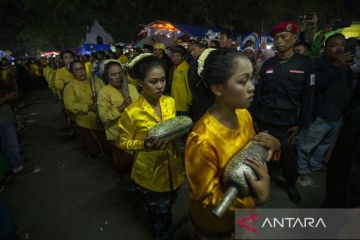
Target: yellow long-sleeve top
(88, 69)
(132, 81)
(49, 72)
(77, 99)
(8, 77)
(123, 59)
(151, 169)
(52, 75)
(109, 100)
(35, 70)
(180, 90)
(209, 148)
(46, 71)
(48, 75)
(4, 75)
(62, 77)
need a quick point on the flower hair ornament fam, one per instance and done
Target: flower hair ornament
(106, 62)
(135, 60)
(202, 58)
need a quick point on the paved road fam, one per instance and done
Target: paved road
(73, 197)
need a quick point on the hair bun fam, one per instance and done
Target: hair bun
(136, 59)
(202, 58)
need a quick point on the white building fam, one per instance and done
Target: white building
(96, 34)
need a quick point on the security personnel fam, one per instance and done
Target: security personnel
(159, 52)
(202, 97)
(284, 96)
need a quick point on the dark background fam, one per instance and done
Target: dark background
(33, 25)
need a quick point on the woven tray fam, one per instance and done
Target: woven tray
(172, 128)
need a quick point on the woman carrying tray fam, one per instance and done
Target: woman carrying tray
(157, 169)
(112, 100)
(222, 132)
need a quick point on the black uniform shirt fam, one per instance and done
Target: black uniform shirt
(285, 90)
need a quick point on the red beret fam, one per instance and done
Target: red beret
(284, 26)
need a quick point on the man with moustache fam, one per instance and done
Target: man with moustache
(284, 95)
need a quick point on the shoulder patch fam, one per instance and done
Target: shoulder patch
(312, 79)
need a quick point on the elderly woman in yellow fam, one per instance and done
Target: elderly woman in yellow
(157, 169)
(63, 75)
(50, 76)
(112, 100)
(221, 133)
(78, 99)
(35, 69)
(86, 59)
(46, 69)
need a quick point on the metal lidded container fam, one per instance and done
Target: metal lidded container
(172, 128)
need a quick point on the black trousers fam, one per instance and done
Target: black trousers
(159, 207)
(288, 158)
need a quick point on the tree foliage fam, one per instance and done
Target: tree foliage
(59, 24)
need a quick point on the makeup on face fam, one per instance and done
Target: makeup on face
(154, 83)
(238, 91)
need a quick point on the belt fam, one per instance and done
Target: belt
(278, 117)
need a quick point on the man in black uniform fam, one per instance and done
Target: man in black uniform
(202, 97)
(159, 52)
(284, 97)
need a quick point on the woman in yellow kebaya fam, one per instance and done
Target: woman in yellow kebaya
(112, 100)
(78, 100)
(63, 75)
(157, 170)
(50, 76)
(222, 132)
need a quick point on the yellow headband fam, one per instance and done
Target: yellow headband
(159, 46)
(106, 62)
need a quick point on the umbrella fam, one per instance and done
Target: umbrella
(145, 40)
(168, 42)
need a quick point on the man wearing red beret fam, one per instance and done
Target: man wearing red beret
(284, 95)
